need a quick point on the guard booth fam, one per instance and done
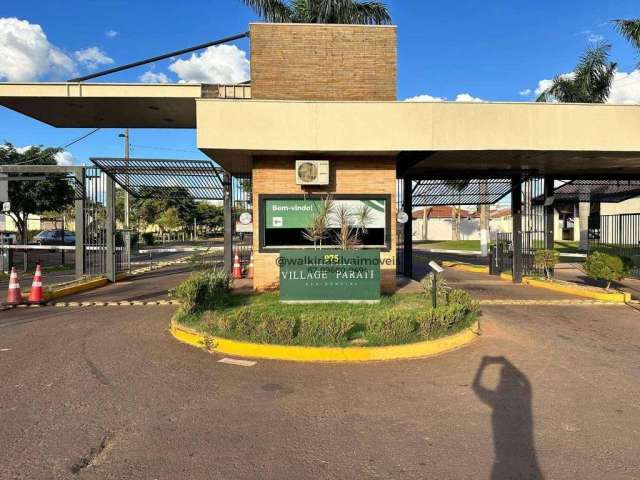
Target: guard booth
(332, 98)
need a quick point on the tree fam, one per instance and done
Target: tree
(630, 29)
(210, 216)
(170, 220)
(36, 196)
(322, 11)
(152, 205)
(590, 82)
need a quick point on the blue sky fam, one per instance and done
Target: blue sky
(494, 51)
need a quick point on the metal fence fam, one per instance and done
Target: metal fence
(533, 224)
(619, 235)
(242, 202)
(400, 228)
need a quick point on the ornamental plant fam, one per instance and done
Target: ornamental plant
(601, 266)
(546, 260)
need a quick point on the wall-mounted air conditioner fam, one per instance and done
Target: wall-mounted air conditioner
(312, 172)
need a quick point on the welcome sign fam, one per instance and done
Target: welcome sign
(329, 276)
(298, 213)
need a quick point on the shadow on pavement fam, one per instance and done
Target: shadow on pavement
(512, 419)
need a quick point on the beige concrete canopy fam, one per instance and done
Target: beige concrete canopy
(559, 139)
(105, 105)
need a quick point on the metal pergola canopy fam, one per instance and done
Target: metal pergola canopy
(165, 178)
(478, 191)
(608, 191)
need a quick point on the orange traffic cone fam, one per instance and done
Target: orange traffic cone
(237, 273)
(14, 296)
(250, 268)
(35, 294)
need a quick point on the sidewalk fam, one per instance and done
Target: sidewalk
(487, 287)
(572, 272)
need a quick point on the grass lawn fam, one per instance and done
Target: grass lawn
(566, 246)
(474, 245)
(397, 319)
(467, 245)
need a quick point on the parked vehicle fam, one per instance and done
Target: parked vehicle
(54, 237)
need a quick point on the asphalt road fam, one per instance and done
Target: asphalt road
(107, 393)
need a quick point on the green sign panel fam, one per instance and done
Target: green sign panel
(298, 213)
(329, 275)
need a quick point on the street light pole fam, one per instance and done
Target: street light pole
(126, 166)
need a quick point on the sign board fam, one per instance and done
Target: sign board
(403, 217)
(245, 218)
(243, 227)
(328, 275)
(298, 213)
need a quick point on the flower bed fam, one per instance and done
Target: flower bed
(261, 318)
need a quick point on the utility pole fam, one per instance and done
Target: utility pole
(125, 135)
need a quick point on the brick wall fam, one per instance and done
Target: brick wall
(375, 175)
(323, 62)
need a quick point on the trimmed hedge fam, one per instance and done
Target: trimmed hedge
(400, 318)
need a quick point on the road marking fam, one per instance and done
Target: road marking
(234, 361)
(568, 302)
(5, 349)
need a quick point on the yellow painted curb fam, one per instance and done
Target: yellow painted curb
(329, 354)
(616, 297)
(465, 267)
(70, 290)
(506, 276)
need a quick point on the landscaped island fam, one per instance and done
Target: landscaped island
(209, 308)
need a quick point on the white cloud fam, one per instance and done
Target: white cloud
(218, 64)
(461, 97)
(112, 33)
(465, 97)
(525, 93)
(594, 38)
(153, 77)
(24, 149)
(625, 88)
(425, 98)
(27, 55)
(64, 158)
(92, 57)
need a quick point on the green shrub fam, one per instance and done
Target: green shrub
(316, 329)
(148, 239)
(441, 286)
(203, 290)
(262, 319)
(396, 326)
(601, 266)
(546, 260)
(247, 324)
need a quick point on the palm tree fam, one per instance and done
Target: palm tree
(322, 11)
(629, 29)
(590, 82)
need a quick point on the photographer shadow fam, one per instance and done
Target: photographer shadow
(512, 420)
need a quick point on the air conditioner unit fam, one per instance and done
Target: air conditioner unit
(312, 172)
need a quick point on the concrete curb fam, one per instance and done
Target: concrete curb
(328, 354)
(73, 289)
(577, 290)
(613, 297)
(465, 267)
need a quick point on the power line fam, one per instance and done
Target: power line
(63, 147)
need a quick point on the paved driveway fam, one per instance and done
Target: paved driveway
(107, 393)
